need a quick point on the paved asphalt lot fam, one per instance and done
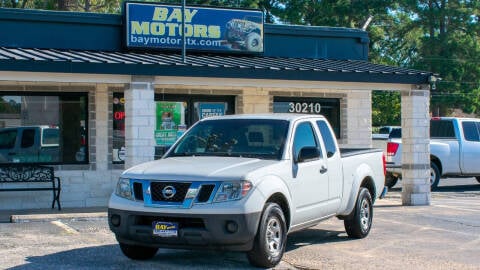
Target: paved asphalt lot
(445, 235)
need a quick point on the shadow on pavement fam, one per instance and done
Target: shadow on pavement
(314, 236)
(450, 188)
(110, 257)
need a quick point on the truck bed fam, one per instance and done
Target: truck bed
(347, 152)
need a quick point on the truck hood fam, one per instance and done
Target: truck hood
(198, 168)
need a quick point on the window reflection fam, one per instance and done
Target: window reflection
(43, 128)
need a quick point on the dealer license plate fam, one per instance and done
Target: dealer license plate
(165, 229)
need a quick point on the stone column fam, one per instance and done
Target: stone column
(359, 119)
(101, 126)
(139, 120)
(416, 148)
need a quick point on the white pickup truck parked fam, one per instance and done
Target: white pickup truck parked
(454, 150)
(242, 182)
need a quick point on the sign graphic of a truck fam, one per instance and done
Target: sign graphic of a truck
(246, 33)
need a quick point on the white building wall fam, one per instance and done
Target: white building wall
(91, 184)
(359, 120)
(416, 147)
(139, 121)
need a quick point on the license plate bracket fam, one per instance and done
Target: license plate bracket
(165, 229)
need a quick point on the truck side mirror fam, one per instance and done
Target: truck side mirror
(308, 153)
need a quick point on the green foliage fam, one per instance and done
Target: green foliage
(441, 36)
(386, 108)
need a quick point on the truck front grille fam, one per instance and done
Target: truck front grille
(205, 193)
(162, 191)
(138, 191)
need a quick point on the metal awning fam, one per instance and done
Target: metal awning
(204, 65)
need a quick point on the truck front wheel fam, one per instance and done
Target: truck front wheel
(271, 237)
(360, 223)
(135, 252)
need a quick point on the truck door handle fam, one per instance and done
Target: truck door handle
(323, 170)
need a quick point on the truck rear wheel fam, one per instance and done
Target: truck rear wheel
(271, 237)
(360, 223)
(135, 252)
(434, 176)
(390, 180)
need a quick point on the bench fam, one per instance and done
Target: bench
(27, 174)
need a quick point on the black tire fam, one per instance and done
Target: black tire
(359, 224)
(434, 176)
(253, 42)
(135, 252)
(271, 238)
(390, 180)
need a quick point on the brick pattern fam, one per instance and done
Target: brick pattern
(416, 149)
(140, 121)
(92, 184)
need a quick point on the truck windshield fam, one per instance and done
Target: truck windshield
(253, 138)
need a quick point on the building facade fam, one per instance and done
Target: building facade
(90, 106)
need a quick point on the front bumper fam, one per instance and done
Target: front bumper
(195, 230)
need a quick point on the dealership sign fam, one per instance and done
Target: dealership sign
(158, 26)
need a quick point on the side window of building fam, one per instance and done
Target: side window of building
(44, 128)
(304, 137)
(118, 136)
(174, 114)
(470, 131)
(327, 138)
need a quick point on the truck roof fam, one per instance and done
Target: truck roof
(455, 118)
(273, 116)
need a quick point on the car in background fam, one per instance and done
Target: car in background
(30, 144)
(454, 150)
(384, 132)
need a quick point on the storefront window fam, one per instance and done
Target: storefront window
(47, 129)
(174, 114)
(328, 107)
(118, 145)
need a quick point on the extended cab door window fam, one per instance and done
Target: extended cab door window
(304, 137)
(327, 138)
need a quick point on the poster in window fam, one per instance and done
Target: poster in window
(170, 122)
(208, 109)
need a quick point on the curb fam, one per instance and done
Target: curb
(52, 217)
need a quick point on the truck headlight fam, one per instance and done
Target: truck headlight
(124, 189)
(230, 191)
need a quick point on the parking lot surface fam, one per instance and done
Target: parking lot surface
(444, 235)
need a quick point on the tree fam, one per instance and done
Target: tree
(446, 42)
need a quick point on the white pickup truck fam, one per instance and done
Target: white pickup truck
(454, 150)
(242, 182)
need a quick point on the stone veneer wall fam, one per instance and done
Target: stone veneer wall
(91, 184)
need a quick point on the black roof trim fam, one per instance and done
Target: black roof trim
(204, 65)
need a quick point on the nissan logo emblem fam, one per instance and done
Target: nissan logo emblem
(168, 192)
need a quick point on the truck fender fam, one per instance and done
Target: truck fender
(362, 173)
(273, 187)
